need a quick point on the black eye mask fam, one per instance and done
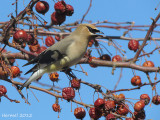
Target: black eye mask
(92, 30)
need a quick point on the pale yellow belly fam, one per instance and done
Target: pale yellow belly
(57, 66)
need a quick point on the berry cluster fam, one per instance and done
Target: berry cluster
(61, 11)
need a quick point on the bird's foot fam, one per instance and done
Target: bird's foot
(69, 72)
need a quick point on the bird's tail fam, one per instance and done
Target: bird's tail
(34, 76)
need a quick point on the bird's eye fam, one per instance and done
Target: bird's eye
(92, 30)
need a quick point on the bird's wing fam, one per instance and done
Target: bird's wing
(50, 55)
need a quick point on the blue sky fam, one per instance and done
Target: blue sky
(139, 11)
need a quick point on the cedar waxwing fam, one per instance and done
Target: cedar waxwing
(63, 54)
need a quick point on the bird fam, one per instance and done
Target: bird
(63, 54)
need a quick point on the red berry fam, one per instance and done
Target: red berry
(60, 7)
(69, 10)
(54, 76)
(136, 81)
(49, 41)
(156, 100)
(75, 83)
(105, 57)
(56, 107)
(139, 106)
(133, 45)
(15, 71)
(139, 115)
(117, 58)
(90, 43)
(110, 105)
(121, 96)
(110, 117)
(95, 113)
(20, 36)
(68, 93)
(42, 48)
(79, 113)
(34, 48)
(123, 109)
(148, 64)
(146, 98)
(57, 19)
(58, 38)
(92, 65)
(99, 103)
(35, 42)
(42, 7)
(3, 90)
(30, 39)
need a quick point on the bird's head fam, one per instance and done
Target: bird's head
(88, 30)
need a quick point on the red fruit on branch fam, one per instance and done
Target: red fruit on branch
(57, 37)
(68, 93)
(90, 59)
(3, 90)
(75, 83)
(123, 109)
(110, 117)
(57, 19)
(139, 106)
(110, 105)
(42, 7)
(105, 57)
(133, 45)
(148, 64)
(54, 76)
(56, 107)
(69, 10)
(20, 36)
(99, 103)
(146, 98)
(117, 58)
(49, 41)
(60, 7)
(156, 100)
(121, 96)
(79, 113)
(35, 42)
(41, 49)
(90, 43)
(95, 113)
(34, 48)
(139, 115)
(15, 71)
(30, 39)
(136, 81)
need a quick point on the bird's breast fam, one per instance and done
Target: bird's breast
(75, 52)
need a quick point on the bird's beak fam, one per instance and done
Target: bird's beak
(97, 33)
(100, 32)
